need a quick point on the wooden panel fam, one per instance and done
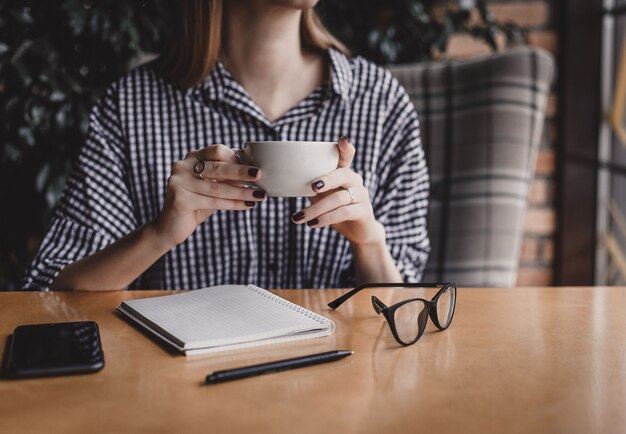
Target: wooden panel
(540, 360)
(579, 109)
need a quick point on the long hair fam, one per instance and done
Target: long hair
(195, 44)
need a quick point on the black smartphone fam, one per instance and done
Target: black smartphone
(42, 350)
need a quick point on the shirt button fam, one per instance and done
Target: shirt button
(274, 134)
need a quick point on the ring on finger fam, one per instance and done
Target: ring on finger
(352, 199)
(199, 168)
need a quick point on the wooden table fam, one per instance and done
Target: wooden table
(525, 360)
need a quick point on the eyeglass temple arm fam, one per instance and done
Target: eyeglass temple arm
(341, 300)
(379, 306)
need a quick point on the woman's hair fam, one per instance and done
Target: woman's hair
(195, 44)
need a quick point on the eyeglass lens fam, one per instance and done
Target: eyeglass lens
(410, 320)
(445, 307)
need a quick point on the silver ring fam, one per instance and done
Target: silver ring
(352, 200)
(199, 168)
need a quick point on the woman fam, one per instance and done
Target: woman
(240, 71)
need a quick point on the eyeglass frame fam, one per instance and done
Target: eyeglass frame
(389, 311)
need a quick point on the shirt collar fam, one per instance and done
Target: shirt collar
(341, 74)
(212, 87)
(220, 85)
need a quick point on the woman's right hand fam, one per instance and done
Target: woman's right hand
(190, 200)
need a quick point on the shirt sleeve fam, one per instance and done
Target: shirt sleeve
(96, 207)
(401, 199)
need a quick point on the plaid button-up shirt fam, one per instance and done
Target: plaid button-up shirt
(143, 124)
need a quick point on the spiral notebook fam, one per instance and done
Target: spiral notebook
(225, 317)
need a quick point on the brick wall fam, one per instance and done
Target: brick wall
(537, 255)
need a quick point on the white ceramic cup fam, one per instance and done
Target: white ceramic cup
(289, 167)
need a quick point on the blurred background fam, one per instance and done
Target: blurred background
(56, 58)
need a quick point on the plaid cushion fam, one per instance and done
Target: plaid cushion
(481, 123)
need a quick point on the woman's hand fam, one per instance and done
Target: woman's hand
(334, 205)
(190, 200)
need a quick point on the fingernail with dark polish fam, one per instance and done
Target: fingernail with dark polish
(312, 222)
(297, 216)
(258, 193)
(344, 137)
(250, 203)
(252, 172)
(318, 185)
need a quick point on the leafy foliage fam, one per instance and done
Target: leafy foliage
(57, 57)
(402, 31)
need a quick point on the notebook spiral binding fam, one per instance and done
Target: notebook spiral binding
(306, 312)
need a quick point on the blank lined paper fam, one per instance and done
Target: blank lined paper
(225, 317)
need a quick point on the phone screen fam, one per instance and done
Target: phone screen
(55, 349)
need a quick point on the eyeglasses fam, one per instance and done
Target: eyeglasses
(407, 319)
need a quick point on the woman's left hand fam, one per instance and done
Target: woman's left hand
(349, 214)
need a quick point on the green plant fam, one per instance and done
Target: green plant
(402, 31)
(56, 59)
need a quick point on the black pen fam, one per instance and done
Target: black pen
(278, 365)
